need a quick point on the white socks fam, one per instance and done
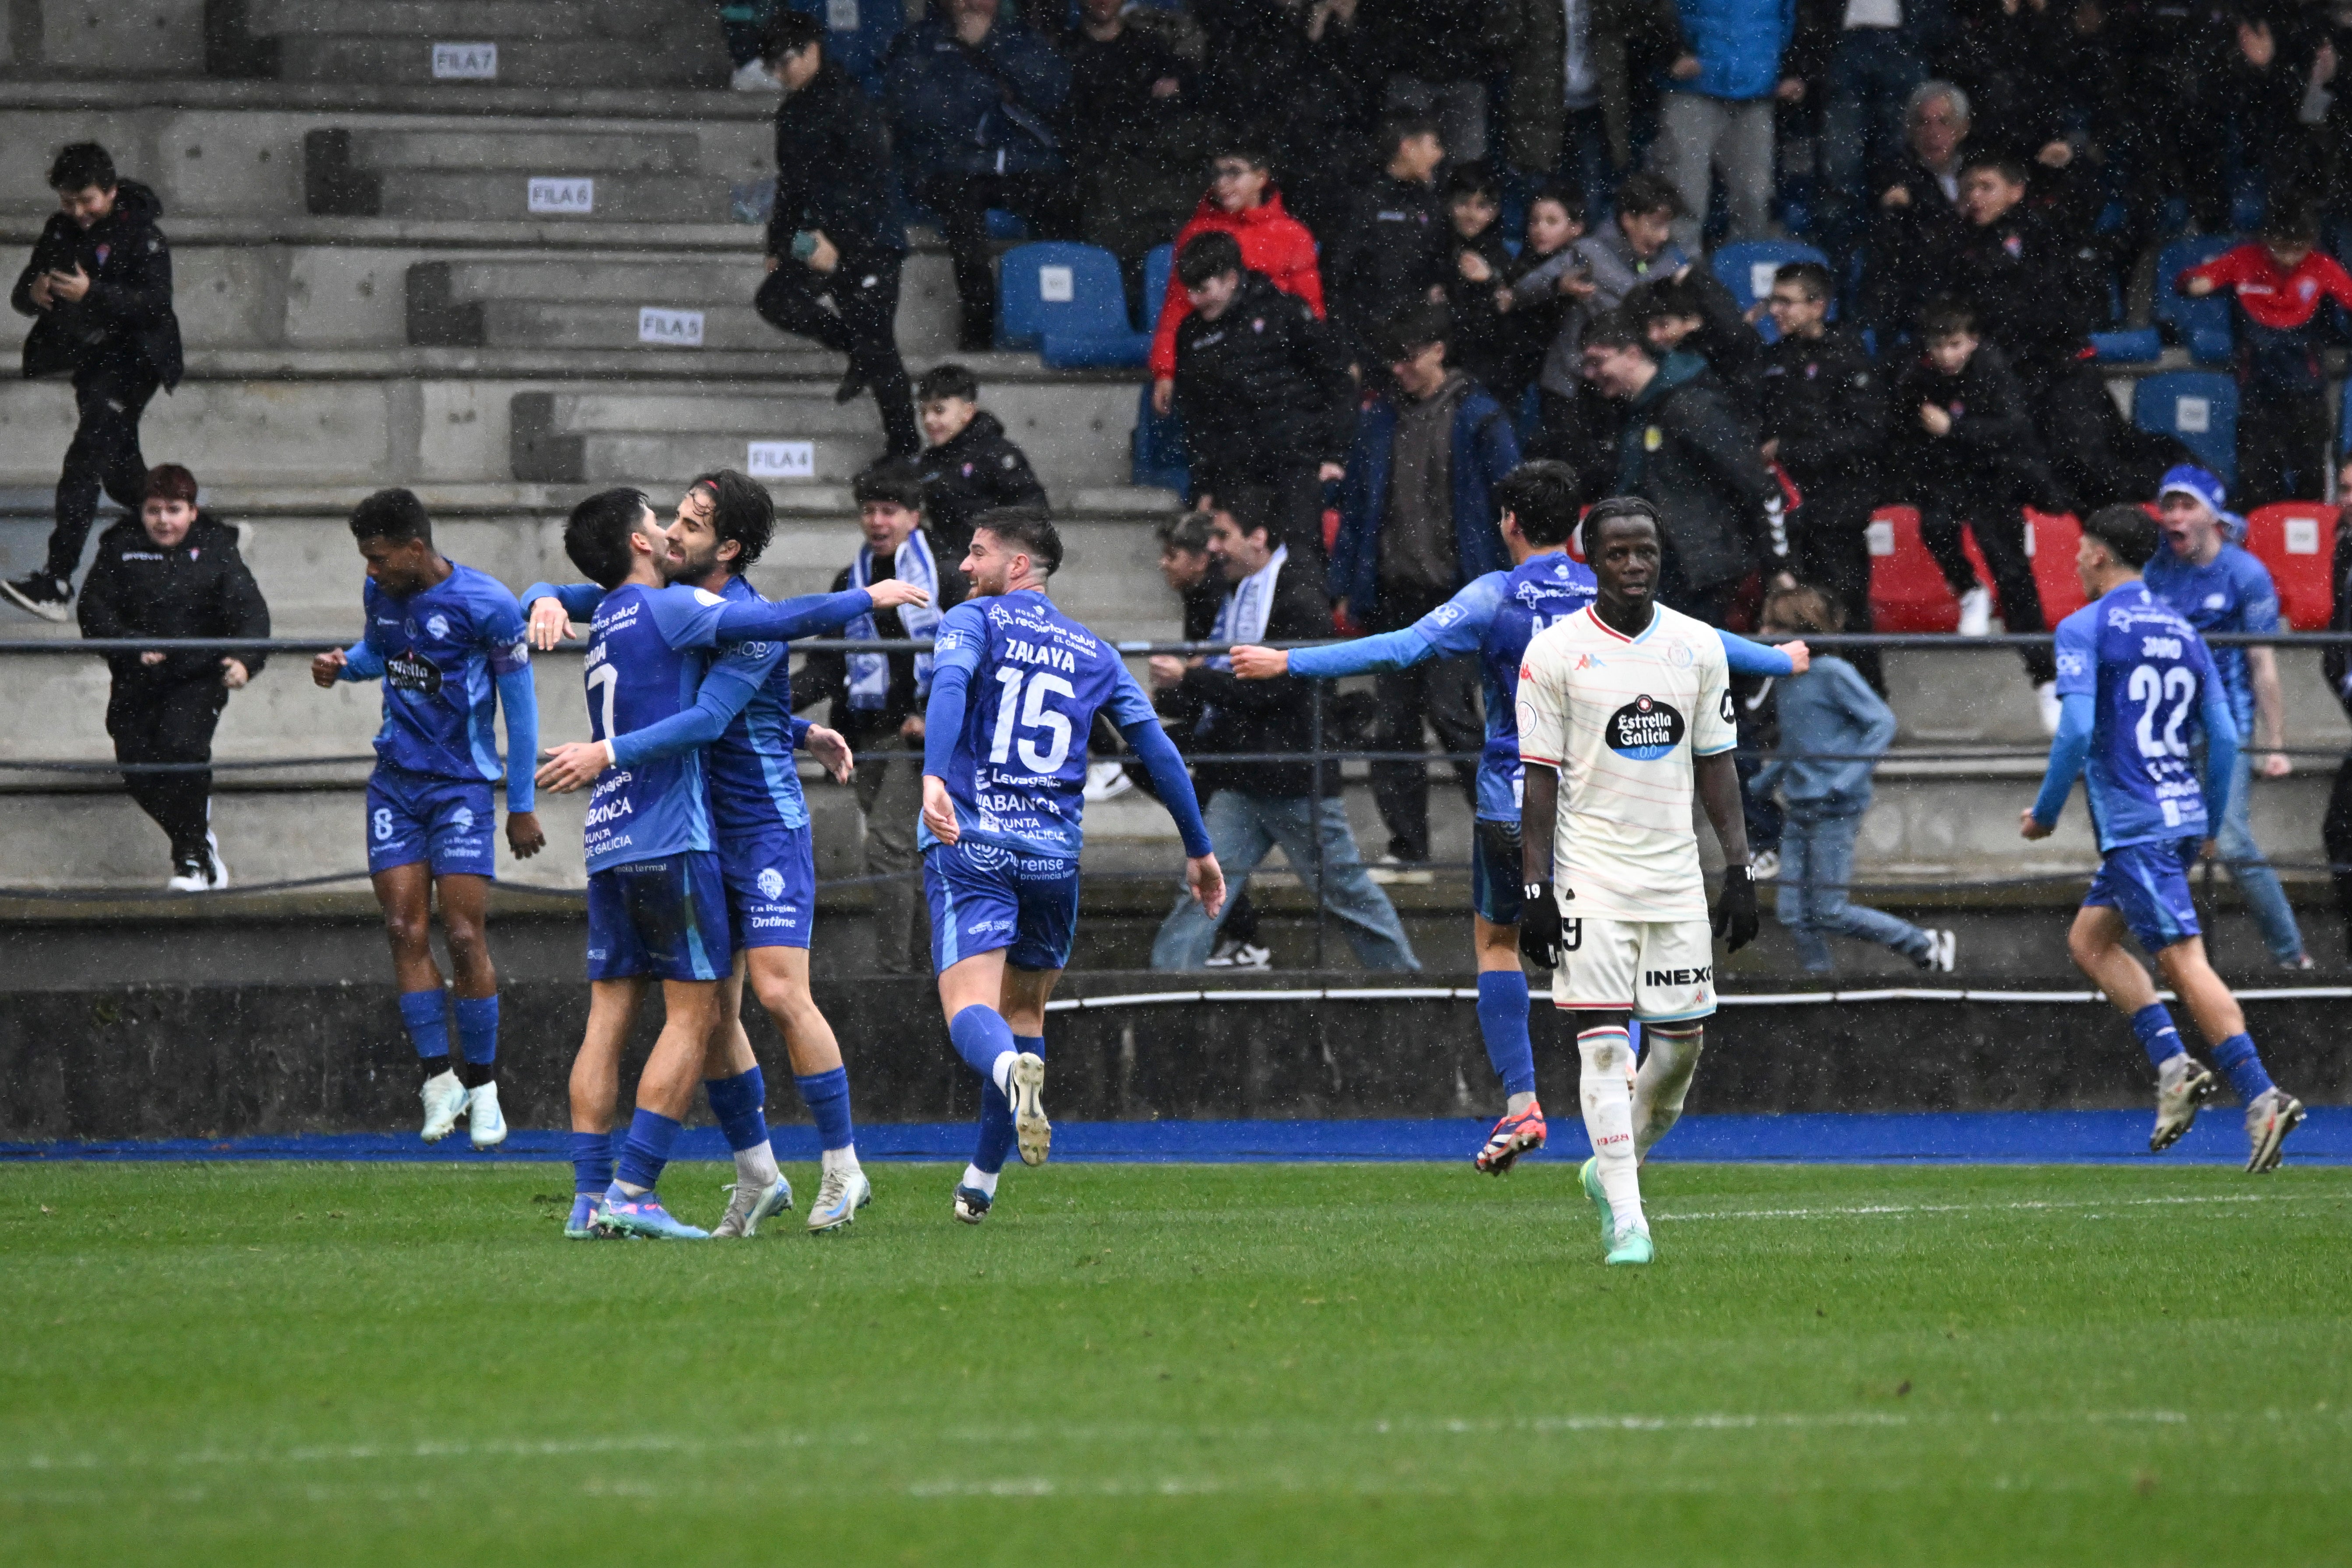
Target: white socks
(756, 1167)
(1517, 1103)
(980, 1180)
(844, 1159)
(1607, 1093)
(1000, 1072)
(1668, 1060)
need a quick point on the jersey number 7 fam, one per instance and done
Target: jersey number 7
(1035, 716)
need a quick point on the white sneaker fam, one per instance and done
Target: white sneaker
(1239, 955)
(444, 1101)
(216, 873)
(189, 877)
(2182, 1084)
(486, 1124)
(1976, 612)
(753, 76)
(1030, 1128)
(1764, 865)
(2273, 1114)
(2046, 697)
(839, 1196)
(1107, 781)
(1941, 946)
(752, 1205)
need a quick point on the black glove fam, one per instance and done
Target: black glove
(1734, 911)
(1540, 923)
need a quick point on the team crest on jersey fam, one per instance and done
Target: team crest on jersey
(1644, 728)
(462, 819)
(1445, 615)
(412, 671)
(439, 625)
(771, 883)
(1682, 656)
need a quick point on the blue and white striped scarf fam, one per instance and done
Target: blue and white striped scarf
(869, 673)
(1242, 618)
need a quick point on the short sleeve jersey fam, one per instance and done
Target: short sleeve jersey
(754, 782)
(443, 650)
(646, 661)
(2230, 593)
(2147, 668)
(1621, 717)
(1018, 771)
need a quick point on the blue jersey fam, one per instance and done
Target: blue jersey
(441, 652)
(647, 658)
(755, 782)
(1016, 769)
(2230, 593)
(2155, 690)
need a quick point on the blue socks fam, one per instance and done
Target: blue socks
(2239, 1062)
(478, 1028)
(2153, 1025)
(426, 1016)
(592, 1162)
(647, 1151)
(739, 1105)
(981, 1035)
(1503, 1024)
(996, 1115)
(826, 1094)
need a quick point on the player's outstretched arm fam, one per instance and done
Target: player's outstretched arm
(726, 691)
(553, 610)
(1459, 625)
(2070, 748)
(357, 662)
(1718, 781)
(1748, 657)
(829, 747)
(752, 621)
(1131, 712)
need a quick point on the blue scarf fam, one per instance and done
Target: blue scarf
(869, 673)
(1242, 618)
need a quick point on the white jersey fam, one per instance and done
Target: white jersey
(1620, 718)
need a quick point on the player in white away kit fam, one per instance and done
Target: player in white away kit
(1631, 701)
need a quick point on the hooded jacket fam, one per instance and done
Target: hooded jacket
(127, 314)
(988, 109)
(1687, 453)
(833, 173)
(1273, 244)
(1263, 387)
(978, 468)
(199, 587)
(1486, 448)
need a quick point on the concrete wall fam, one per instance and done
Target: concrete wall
(113, 38)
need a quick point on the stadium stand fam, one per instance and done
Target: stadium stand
(2198, 406)
(2296, 541)
(2200, 326)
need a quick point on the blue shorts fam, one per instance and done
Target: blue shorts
(771, 876)
(415, 816)
(1496, 874)
(985, 897)
(2147, 884)
(661, 919)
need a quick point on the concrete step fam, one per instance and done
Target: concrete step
(691, 59)
(542, 152)
(461, 19)
(453, 195)
(248, 100)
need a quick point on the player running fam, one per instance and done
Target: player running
(1015, 685)
(657, 902)
(2138, 685)
(1633, 702)
(1494, 617)
(448, 642)
(760, 818)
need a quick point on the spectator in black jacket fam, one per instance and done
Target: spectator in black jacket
(1254, 808)
(1391, 255)
(2018, 272)
(173, 571)
(972, 465)
(1476, 263)
(1919, 220)
(833, 232)
(1691, 312)
(1138, 134)
(1264, 392)
(99, 288)
(1966, 452)
(1824, 422)
(2336, 829)
(1686, 452)
(877, 703)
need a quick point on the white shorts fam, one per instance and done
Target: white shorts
(1660, 970)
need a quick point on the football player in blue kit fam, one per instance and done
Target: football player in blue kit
(2137, 687)
(658, 904)
(1015, 685)
(760, 819)
(1493, 617)
(447, 643)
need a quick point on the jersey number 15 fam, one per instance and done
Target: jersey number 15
(1034, 717)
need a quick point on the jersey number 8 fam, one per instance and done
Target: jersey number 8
(2150, 685)
(1034, 716)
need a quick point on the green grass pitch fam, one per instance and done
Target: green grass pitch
(348, 1364)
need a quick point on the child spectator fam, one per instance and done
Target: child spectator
(1391, 255)
(1833, 728)
(1241, 202)
(1540, 289)
(1477, 259)
(1691, 312)
(2278, 283)
(1965, 447)
(972, 465)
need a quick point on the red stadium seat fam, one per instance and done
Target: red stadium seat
(2052, 539)
(1907, 591)
(2296, 540)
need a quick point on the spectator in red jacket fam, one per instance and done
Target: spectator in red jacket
(1241, 202)
(2279, 282)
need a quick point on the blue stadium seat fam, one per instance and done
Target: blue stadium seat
(1747, 269)
(2344, 431)
(2200, 326)
(1158, 263)
(857, 34)
(2200, 407)
(1066, 301)
(1158, 449)
(2131, 347)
